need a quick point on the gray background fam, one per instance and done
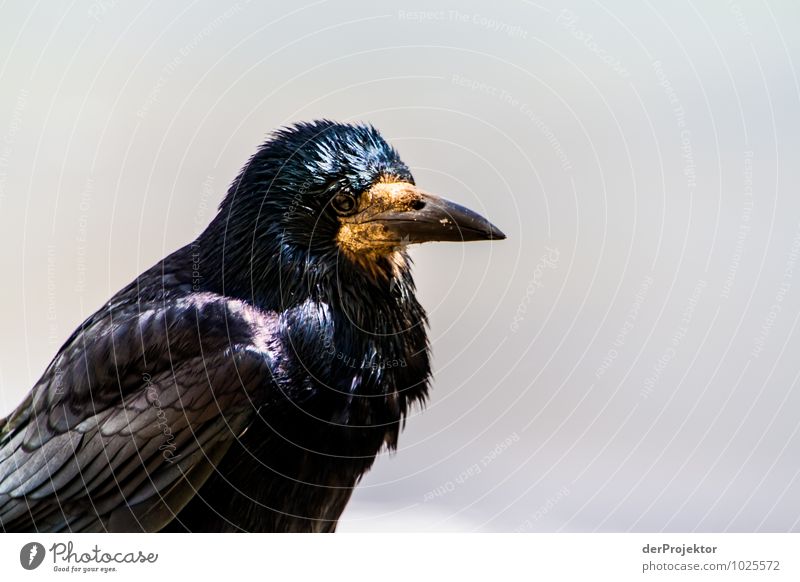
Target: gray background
(626, 360)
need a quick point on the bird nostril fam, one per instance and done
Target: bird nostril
(417, 204)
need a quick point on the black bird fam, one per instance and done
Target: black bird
(247, 381)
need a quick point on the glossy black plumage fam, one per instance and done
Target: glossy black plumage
(244, 383)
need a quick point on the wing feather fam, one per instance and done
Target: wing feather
(132, 416)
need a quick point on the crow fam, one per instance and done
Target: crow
(247, 381)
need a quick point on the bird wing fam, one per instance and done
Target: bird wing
(133, 415)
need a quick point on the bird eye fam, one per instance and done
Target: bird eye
(344, 204)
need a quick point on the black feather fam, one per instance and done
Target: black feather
(244, 383)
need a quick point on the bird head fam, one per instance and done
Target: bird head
(338, 194)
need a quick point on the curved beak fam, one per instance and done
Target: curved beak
(431, 218)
